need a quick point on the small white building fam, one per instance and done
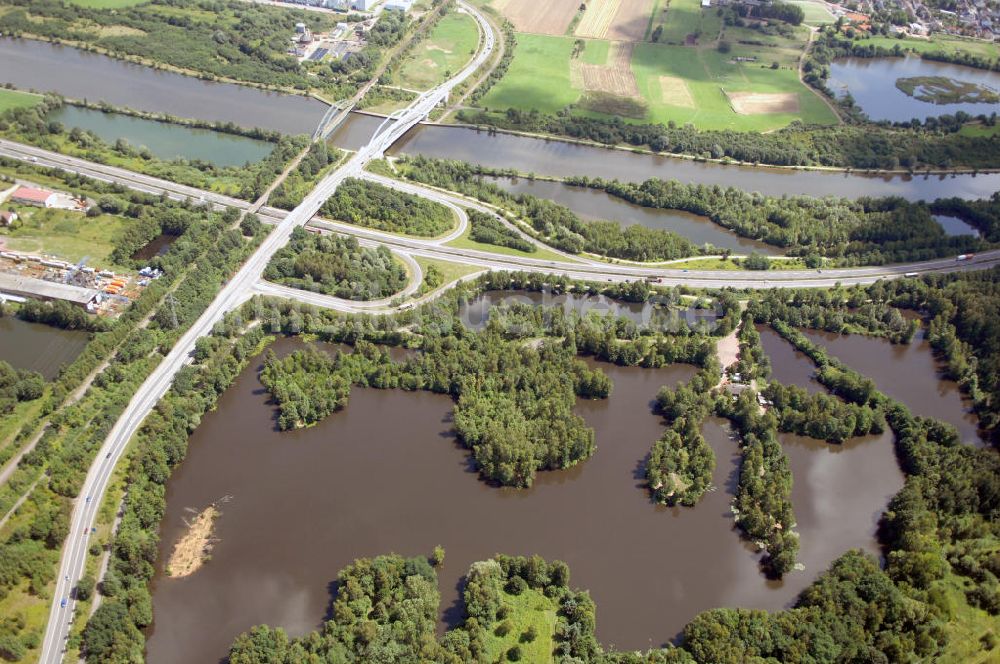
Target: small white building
(362, 5)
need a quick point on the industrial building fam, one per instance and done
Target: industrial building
(32, 196)
(398, 5)
(39, 289)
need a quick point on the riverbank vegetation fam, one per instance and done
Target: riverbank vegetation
(514, 403)
(944, 90)
(854, 147)
(866, 231)
(18, 386)
(246, 42)
(336, 265)
(373, 205)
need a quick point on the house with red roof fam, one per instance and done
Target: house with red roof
(33, 196)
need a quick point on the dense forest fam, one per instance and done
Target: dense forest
(376, 206)
(336, 265)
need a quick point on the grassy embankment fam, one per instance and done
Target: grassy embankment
(466, 242)
(10, 99)
(68, 235)
(449, 46)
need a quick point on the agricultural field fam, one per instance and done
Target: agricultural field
(816, 12)
(539, 76)
(684, 22)
(551, 17)
(617, 20)
(661, 83)
(13, 99)
(450, 45)
(710, 90)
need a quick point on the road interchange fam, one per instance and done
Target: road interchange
(248, 281)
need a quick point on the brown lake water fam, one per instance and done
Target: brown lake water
(595, 204)
(907, 372)
(39, 347)
(386, 475)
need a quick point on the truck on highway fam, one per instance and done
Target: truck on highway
(964, 257)
(910, 274)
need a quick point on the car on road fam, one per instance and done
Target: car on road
(62, 604)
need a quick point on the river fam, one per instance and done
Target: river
(166, 140)
(78, 74)
(386, 474)
(872, 84)
(557, 158)
(39, 347)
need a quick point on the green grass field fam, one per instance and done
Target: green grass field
(681, 18)
(71, 236)
(529, 609)
(449, 272)
(816, 12)
(938, 43)
(539, 78)
(707, 73)
(449, 46)
(979, 131)
(13, 99)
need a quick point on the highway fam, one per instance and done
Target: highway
(234, 293)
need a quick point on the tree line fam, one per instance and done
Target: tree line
(868, 146)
